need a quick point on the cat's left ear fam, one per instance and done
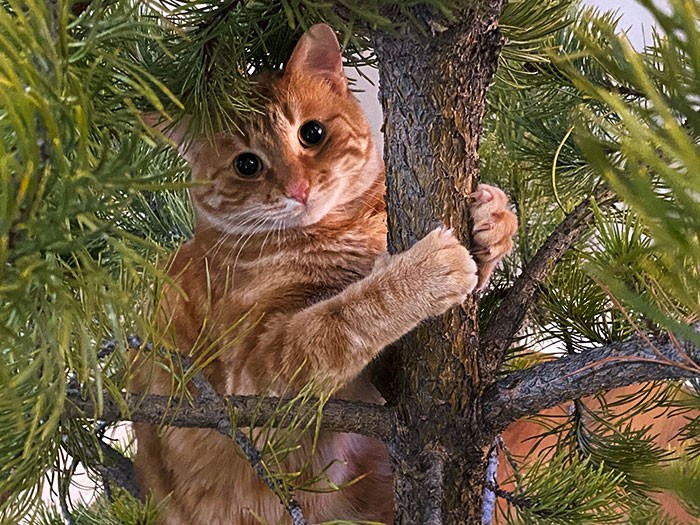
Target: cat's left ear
(317, 54)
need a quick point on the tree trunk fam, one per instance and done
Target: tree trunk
(433, 88)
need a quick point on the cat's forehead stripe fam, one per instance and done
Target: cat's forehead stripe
(286, 111)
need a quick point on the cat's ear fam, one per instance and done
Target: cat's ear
(317, 54)
(176, 132)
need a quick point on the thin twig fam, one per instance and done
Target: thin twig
(252, 454)
(641, 333)
(118, 469)
(63, 485)
(204, 388)
(518, 501)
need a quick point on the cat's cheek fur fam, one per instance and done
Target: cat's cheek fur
(349, 184)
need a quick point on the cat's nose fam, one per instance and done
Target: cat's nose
(298, 190)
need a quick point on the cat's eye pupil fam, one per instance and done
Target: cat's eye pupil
(248, 165)
(311, 133)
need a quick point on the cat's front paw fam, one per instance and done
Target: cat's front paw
(440, 270)
(493, 230)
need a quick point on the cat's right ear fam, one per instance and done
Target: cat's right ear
(318, 54)
(175, 132)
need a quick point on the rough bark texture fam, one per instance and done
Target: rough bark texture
(519, 394)
(213, 412)
(433, 87)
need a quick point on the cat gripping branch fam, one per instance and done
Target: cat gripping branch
(287, 277)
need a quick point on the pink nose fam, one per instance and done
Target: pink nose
(298, 190)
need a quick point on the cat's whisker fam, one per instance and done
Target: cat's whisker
(262, 246)
(221, 243)
(279, 233)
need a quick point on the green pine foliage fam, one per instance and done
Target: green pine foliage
(654, 166)
(118, 509)
(217, 45)
(90, 204)
(72, 154)
(564, 490)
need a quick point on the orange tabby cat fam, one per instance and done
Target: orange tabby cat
(287, 276)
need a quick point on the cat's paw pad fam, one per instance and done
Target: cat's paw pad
(493, 228)
(444, 271)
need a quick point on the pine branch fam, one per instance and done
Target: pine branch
(510, 497)
(210, 410)
(253, 456)
(635, 360)
(338, 415)
(118, 469)
(509, 318)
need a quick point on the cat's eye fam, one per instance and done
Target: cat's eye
(311, 133)
(248, 165)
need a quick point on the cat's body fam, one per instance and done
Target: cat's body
(287, 278)
(210, 482)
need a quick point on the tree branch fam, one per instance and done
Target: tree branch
(118, 469)
(213, 411)
(338, 415)
(209, 410)
(635, 360)
(500, 332)
(253, 456)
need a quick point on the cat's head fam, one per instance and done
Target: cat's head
(309, 153)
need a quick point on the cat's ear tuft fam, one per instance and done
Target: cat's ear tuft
(176, 132)
(318, 54)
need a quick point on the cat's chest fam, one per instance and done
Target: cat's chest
(293, 280)
(280, 274)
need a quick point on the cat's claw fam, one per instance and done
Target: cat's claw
(493, 228)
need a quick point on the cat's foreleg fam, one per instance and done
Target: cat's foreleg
(333, 340)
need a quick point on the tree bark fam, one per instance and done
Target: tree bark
(433, 90)
(215, 412)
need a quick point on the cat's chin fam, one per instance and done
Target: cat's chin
(310, 217)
